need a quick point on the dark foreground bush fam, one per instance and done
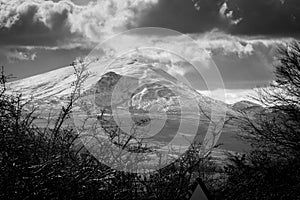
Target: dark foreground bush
(272, 169)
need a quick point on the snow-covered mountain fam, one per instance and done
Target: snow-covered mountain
(131, 82)
(57, 84)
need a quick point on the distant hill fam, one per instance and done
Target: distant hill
(247, 107)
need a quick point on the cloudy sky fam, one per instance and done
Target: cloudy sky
(240, 35)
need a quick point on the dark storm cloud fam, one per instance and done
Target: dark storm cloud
(266, 17)
(53, 23)
(246, 17)
(182, 15)
(34, 23)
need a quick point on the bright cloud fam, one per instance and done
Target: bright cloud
(53, 23)
(231, 96)
(18, 54)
